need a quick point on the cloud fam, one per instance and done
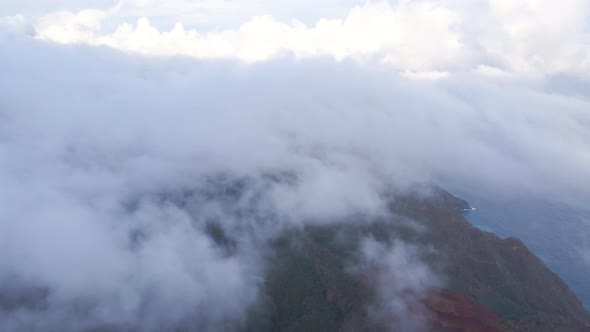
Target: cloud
(15, 26)
(522, 37)
(538, 36)
(113, 165)
(401, 281)
(72, 27)
(392, 31)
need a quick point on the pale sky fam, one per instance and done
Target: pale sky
(194, 13)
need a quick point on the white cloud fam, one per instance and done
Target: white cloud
(538, 36)
(424, 75)
(404, 36)
(523, 37)
(67, 27)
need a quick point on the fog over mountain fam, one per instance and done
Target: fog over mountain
(122, 150)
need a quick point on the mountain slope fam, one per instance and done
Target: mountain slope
(490, 284)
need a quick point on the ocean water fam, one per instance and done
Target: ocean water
(557, 233)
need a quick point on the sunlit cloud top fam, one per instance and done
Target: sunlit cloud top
(423, 39)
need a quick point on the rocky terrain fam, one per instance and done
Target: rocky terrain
(490, 284)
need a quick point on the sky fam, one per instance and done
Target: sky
(210, 14)
(111, 112)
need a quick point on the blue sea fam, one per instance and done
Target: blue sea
(557, 233)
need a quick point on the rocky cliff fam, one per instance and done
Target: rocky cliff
(487, 283)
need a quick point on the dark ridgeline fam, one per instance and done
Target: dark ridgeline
(487, 283)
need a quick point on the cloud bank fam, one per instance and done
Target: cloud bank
(114, 165)
(528, 38)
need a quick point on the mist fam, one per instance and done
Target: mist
(113, 165)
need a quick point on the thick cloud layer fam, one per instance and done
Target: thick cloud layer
(113, 166)
(420, 38)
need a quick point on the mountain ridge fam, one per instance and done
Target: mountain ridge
(491, 284)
